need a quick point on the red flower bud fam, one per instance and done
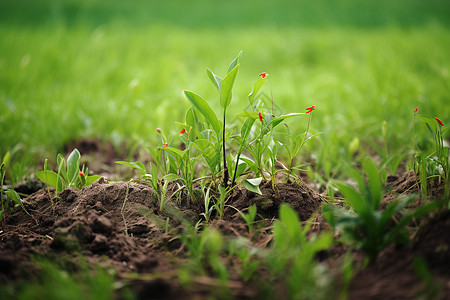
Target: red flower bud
(260, 116)
(81, 174)
(414, 111)
(310, 109)
(439, 121)
(183, 130)
(264, 74)
(3, 164)
(158, 130)
(165, 145)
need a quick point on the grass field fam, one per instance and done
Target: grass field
(116, 71)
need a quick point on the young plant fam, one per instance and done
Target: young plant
(365, 225)
(291, 256)
(247, 255)
(250, 217)
(69, 173)
(224, 87)
(207, 203)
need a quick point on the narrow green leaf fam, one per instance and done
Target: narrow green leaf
(216, 80)
(248, 114)
(371, 170)
(175, 152)
(290, 218)
(235, 62)
(256, 87)
(203, 107)
(73, 165)
(154, 170)
(16, 198)
(246, 128)
(352, 197)
(171, 177)
(227, 86)
(136, 165)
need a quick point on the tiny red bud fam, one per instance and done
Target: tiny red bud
(260, 116)
(3, 164)
(81, 174)
(414, 111)
(165, 145)
(264, 74)
(183, 130)
(158, 130)
(439, 121)
(310, 109)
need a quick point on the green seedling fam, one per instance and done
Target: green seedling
(365, 225)
(207, 203)
(250, 217)
(293, 143)
(205, 250)
(69, 173)
(221, 200)
(247, 255)
(224, 87)
(291, 256)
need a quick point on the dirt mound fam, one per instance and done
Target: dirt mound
(397, 273)
(298, 195)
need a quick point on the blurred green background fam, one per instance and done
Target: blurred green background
(116, 69)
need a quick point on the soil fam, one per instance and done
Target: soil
(120, 226)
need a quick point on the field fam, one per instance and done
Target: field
(110, 78)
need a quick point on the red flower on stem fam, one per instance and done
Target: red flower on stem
(414, 111)
(158, 130)
(439, 121)
(264, 74)
(81, 174)
(3, 164)
(165, 145)
(183, 130)
(260, 116)
(310, 109)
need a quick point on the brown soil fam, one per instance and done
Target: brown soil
(119, 226)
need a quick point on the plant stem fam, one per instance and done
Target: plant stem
(225, 168)
(301, 145)
(236, 167)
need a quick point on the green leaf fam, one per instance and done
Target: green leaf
(247, 127)
(16, 198)
(216, 80)
(171, 177)
(371, 170)
(175, 152)
(248, 114)
(290, 218)
(209, 152)
(235, 62)
(136, 165)
(352, 197)
(154, 170)
(251, 163)
(48, 177)
(73, 166)
(203, 107)
(227, 86)
(192, 119)
(91, 179)
(253, 184)
(256, 87)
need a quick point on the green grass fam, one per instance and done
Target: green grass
(116, 71)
